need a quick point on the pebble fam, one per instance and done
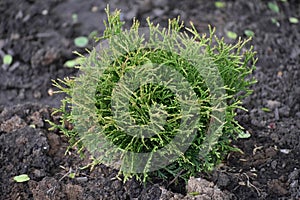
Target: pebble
(274, 164)
(276, 114)
(294, 184)
(223, 180)
(50, 92)
(132, 13)
(284, 111)
(21, 94)
(273, 104)
(294, 175)
(37, 94)
(158, 12)
(38, 173)
(285, 151)
(45, 12)
(81, 179)
(258, 123)
(160, 3)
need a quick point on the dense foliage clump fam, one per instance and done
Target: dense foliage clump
(111, 114)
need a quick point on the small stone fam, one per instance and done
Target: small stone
(276, 114)
(145, 6)
(205, 189)
(285, 151)
(21, 94)
(258, 123)
(12, 124)
(284, 111)
(223, 180)
(132, 13)
(158, 12)
(273, 104)
(95, 9)
(44, 57)
(298, 122)
(274, 164)
(37, 119)
(294, 175)
(38, 173)
(160, 3)
(37, 94)
(45, 12)
(50, 92)
(294, 184)
(277, 187)
(116, 185)
(81, 179)
(19, 15)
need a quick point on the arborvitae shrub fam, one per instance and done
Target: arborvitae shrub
(203, 80)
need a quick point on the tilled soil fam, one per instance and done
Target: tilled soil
(39, 35)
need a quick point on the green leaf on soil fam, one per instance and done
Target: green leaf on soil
(93, 34)
(194, 193)
(274, 21)
(75, 18)
(72, 175)
(73, 62)
(32, 126)
(21, 178)
(293, 20)
(70, 63)
(249, 33)
(7, 59)
(245, 135)
(265, 109)
(81, 41)
(273, 6)
(220, 4)
(231, 35)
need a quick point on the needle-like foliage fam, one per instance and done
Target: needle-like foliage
(117, 108)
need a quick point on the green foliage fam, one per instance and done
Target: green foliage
(21, 178)
(275, 21)
(126, 52)
(231, 35)
(220, 4)
(81, 41)
(7, 59)
(274, 7)
(249, 33)
(293, 20)
(244, 135)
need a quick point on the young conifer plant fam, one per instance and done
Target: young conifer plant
(156, 101)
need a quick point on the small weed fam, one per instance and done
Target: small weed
(21, 178)
(74, 18)
(231, 35)
(249, 33)
(275, 21)
(274, 7)
(265, 109)
(81, 41)
(220, 4)
(293, 20)
(7, 59)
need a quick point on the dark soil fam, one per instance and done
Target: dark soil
(39, 35)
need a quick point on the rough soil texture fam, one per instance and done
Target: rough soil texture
(39, 35)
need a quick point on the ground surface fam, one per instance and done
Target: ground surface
(39, 35)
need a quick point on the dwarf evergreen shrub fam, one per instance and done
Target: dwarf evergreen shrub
(157, 101)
